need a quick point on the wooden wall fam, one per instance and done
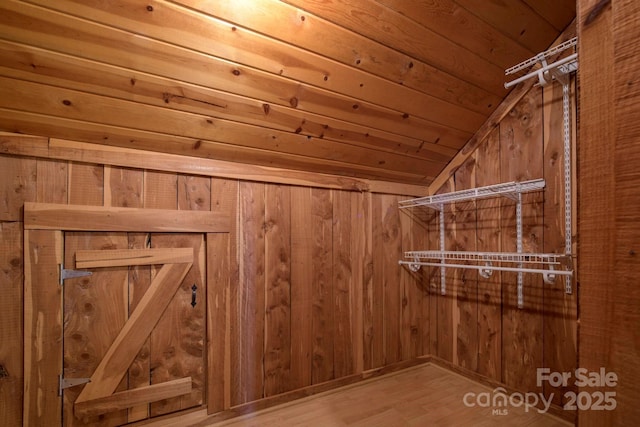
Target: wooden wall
(609, 203)
(316, 293)
(480, 329)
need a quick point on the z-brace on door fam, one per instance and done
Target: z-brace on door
(135, 326)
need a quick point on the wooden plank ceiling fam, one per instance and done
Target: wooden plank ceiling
(380, 89)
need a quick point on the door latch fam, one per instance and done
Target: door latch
(194, 288)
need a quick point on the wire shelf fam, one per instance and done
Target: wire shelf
(509, 189)
(510, 257)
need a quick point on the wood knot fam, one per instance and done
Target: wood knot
(66, 102)
(266, 108)
(293, 102)
(150, 8)
(236, 72)
(3, 372)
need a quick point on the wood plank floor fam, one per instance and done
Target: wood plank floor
(426, 395)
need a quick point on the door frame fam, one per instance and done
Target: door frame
(44, 224)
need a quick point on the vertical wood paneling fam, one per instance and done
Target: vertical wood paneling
(608, 205)
(521, 159)
(466, 284)
(361, 270)
(247, 299)
(18, 178)
(391, 249)
(420, 281)
(139, 281)
(488, 239)
(343, 292)
(52, 181)
(124, 187)
(433, 281)
(413, 323)
(223, 277)
(446, 339)
(11, 351)
(277, 339)
(218, 328)
(160, 190)
(194, 193)
(185, 358)
(560, 310)
(322, 287)
(373, 304)
(95, 309)
(177, 348)
(86, 184)
(596, 187)
(43, 251)
(301, 287)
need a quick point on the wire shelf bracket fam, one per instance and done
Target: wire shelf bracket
(546, 72)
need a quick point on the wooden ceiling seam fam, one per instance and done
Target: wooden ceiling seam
(44, 66)
(377, 89)
(357, 60)
(155, 33)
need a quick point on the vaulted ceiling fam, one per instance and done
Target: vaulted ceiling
(381, 89)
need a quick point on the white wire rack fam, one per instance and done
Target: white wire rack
(509, 189)
(549, 265)
(546, 72)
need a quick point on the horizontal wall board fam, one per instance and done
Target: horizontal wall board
(51, 216)
(108, 155)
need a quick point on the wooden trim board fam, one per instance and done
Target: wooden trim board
(17, 144)
(129, 398)
(125, 257)
(50, 216)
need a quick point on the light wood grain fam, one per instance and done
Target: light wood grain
(94, 153)
(521, 159)
(136, 396)
(278, 320)
(248, 298)
(11, 318)
(179, 338)
(322, 37)
(133, 334)
(139, 374)
(42, 306)
(89, 218)
(301, 294)
(343, 285)
(52, 181)
(80, 74)
(322, 289)
(466, 283)
(560, 309)
(505, 107)
(218, 325)
(406, 35)
(424, 395)
(19, 179)
(125, 257)
(488, 239)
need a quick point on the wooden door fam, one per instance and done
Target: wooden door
(96, 309)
